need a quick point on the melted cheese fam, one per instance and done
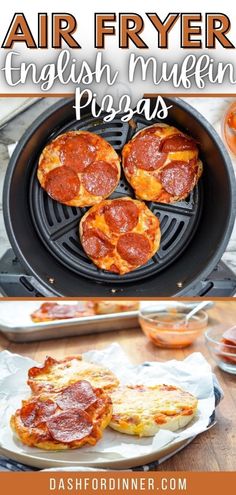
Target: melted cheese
(148, 224)
(64, 373)
(50, 159)
(39, 435)
(147, 184)
(143, 410)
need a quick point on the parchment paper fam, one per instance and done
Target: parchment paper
(192, 374)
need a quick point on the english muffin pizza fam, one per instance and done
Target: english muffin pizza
(69, 419)
(108, 307)
(51, 311)
(161, 163)
(79, 168)
(143, 410)
(120, 235)
(56, 374)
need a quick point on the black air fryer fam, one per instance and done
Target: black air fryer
(47, 258)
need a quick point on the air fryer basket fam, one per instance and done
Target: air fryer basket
(44, 233)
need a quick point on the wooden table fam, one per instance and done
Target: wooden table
(214, 450)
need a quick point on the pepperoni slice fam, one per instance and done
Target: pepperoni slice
(100, 178)
(230, 336)
(70, 426)
(96, 244)
(64, 311)
(145, 152)
(226, 353)
(177, 142)
(28, 413)
(62, 184)
(35, 413)
(77, 151)
(121, 215)
(134, 248)
(48, 307)
(129, 162)
(80, 394)
(177, 178)
(44, 411)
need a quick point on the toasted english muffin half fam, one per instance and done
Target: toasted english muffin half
(57, 374)
(162, 163)
(69, 419)
(120, 235)
(78, 168)
(144, 410)
(109, 307)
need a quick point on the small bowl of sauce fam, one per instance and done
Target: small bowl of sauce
(222, 347)
(229, 127)
(168, 327)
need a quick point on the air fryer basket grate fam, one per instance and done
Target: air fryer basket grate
(57, 224)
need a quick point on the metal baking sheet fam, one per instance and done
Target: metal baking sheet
(17, 326)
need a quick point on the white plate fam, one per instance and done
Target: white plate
(114, 450)
(76, 458)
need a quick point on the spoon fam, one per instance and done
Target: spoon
(197, 308)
